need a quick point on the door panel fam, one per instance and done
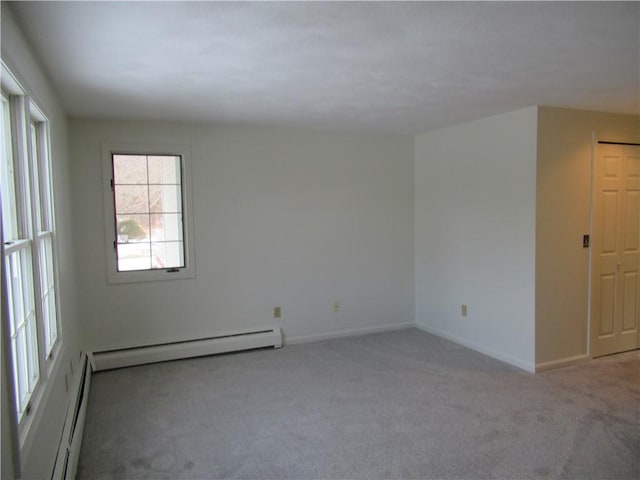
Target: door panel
(632, 221)
(610, 227)
(608, 301)
(630, 302)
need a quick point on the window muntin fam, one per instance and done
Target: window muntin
(148, 202)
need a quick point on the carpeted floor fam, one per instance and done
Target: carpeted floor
(403, 404)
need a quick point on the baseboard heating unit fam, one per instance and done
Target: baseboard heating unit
(69, 448)
(138, 355)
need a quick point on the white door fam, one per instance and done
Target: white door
(615, 278)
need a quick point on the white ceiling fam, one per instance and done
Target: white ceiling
(382, 67)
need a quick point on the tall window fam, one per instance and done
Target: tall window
(147, 190)
(28, 245)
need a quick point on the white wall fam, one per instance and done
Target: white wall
(283, 217)
(38, 454)
(475, 200)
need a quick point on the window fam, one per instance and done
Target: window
(28, 236)
(146, 219)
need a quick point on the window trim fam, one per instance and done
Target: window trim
(117, 277)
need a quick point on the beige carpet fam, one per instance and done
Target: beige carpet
(402, 404)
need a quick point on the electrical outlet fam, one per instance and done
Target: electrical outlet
(336, 306)
(464, 310)
(277, 312)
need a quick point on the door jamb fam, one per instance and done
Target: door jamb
(592, 236)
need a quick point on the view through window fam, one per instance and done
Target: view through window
(148, 200)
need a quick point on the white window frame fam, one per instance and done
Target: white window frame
(33, 190)
(113, 275)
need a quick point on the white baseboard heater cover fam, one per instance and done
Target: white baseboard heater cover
(126, 357)
(69, 448)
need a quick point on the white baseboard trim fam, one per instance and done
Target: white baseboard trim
(516, 362)
(346, 333)
(562, 362)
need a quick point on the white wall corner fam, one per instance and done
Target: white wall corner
(503, 357)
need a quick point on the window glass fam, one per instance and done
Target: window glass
(148, 203)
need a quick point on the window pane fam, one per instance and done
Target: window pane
(35, 160)
(15, 279)
(48, 247)
(40, 161)
(52, 330)
(46, 279)
(165, 170)
(7, 178)
(168, 254)
(132, 199)
(128, 169)
(27, 281)
(20, 368)
(45, 320)
(49, 316)
(134, 256)
(165, 198)
(166, 227)
(9, 285)
(132, 228)
(32, 350)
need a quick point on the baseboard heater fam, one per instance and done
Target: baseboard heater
(138, 355)
(71, 439)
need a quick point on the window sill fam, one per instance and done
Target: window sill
(115, 278)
